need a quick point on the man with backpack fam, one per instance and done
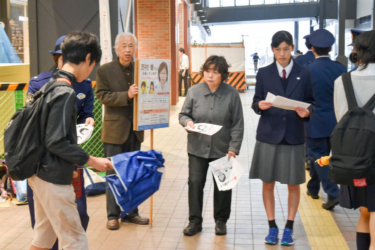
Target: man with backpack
(324, 72)
(56, 213)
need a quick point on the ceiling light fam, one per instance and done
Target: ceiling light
(200, 10)
(205, 20)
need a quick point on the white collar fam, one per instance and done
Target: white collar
(322, 57)
(288, 68)
(369, 71)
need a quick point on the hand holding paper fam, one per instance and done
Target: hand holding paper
(203, 128)
(285, 103)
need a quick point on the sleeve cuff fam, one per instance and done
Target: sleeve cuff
(234, 150)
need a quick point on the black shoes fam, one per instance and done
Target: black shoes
(308, 165)
(221, 228)
(314, 196)
(192, 229)
(330, 204)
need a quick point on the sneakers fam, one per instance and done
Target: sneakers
(287, 239)
(272, 237)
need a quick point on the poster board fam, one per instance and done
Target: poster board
(151, 105)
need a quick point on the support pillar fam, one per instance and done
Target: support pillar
(321, 14)
(341, 58)
(296, 34)
(373, 15)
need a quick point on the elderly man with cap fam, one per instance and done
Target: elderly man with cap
(309, 56)
(324, 72)
(85, 106)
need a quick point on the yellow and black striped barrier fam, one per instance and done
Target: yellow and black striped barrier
(235, 79)
(13, 86)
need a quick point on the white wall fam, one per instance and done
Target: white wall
(364, 8)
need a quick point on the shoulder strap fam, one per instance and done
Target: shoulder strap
(349, 91)
(53, 84)
(370, 103)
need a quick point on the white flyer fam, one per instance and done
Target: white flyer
(285, 103)
(226, 173)
(205, 128)
(84, 133)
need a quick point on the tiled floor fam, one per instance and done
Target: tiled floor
(247, 226)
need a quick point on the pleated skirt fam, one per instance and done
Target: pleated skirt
(281, 163)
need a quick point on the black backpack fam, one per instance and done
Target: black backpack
(353, 142)
(23, 136)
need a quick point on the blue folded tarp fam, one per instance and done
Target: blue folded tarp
(136, 178)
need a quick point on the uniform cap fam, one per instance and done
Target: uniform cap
(355, 33)
(57, 46)
(306, 37)
(322, 38)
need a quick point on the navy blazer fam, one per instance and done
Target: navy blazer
(84, 92)
(324, 72)
(306, 59)
(274, 123)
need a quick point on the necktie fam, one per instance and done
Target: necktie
(284, 74)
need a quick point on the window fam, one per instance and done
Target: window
(213, 3)
(242, 2)
(227, 3)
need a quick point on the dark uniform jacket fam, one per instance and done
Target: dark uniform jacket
(324, 72)
(112, 91)
(277, 124)
(305, 59)
(59, 115)
(84, 93)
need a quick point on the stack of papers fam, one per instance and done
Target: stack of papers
(205, 128)
(285, 103)
(226, 173)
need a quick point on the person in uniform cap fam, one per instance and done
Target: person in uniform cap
(353, 54)
(85, 106)
(309, 56)
(324, 72)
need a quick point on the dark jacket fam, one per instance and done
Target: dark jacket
(112, 91)
(84, 93)
(324, 72)
(59, 115)
(305, 59)
(276, 124)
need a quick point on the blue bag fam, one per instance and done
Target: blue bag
(136, 178)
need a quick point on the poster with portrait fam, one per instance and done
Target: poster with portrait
(152, 103)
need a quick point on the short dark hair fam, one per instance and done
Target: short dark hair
(182, 50)
(162, 66)
(280, 37)
(322, 51)
(143, 84)
(78, 44)
(219, 63)
(365, 46)
(308, 44)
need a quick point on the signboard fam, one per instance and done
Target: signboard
(151, 109)
(105, 32)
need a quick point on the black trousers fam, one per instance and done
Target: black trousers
(198, 168)
(185, 81)
(131, 144)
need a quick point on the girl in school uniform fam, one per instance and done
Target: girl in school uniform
(279, 153)
(363, 80)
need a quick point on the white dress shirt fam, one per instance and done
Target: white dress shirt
(363, 85)
(288, 69)
(184, 62)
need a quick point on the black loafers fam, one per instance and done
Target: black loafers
(314, 196)
(192, 229)
(221, 228)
